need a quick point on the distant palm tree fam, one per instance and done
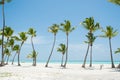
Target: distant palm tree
(2, 2)
(8, 53)
(67, 28)
(115, 2)
(17, 49)
(33, 56)
(22, 38)
(116, 52)
(32, 32)
(91, 39)
(90, 25)
(62, 49)
(11, 45)
(53, 29)
(109, 33)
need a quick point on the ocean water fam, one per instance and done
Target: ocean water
(76, 62)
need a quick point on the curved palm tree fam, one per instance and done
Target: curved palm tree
(90, 25)
(115, 2)
(32, 32)
(17, 49)
(2, 2)
(67, 28)
(109, 33)
(22, 38)
(62, 49)
(53, 29)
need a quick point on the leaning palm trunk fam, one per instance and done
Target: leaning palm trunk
(14, 58)
(66, 53)
(112, 63)
(19, 54)
(91, 56)
(118, 66)
(51, 51)
(2, 61)
(86, 56)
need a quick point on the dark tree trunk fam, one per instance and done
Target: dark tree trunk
(66, 53)
(2, 61)
(112, 61)
(14, 58)
(91, 56)
(86, 56)
(51, 51)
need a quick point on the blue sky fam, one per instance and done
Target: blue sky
(40, 14)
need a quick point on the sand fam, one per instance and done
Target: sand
(55, 72)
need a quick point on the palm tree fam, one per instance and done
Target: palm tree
(8, 53)
(109, 33)
(8, 32)
(53, 29)
(11, 45)
(17, 49)
(116, 52)
(2, 2)
(22, 38)
(90, 25)
(62, 49)
(115, 2)
(67, 28)
(33, 55)
(32, 32)
(90, 41)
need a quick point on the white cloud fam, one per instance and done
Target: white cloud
(38, 40)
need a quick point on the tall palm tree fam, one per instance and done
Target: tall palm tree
(17, 49)
(2, 2)
(53, 29)
(32, 33)
(67, 28)
(62, 49)
(90, 25)
(22, 38)
(115, 2)
(109, 33)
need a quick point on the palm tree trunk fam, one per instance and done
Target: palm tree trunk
(19, 54)
(86, 56)
(7, 59)
(51, 51)
(112, 63)
(14, 58)
(2, 61)
(62, 60)
(66, 53)
(34, 59)
(91, 56)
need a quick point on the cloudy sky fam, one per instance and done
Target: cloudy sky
(40, 14)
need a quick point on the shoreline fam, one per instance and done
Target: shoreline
(54, 72)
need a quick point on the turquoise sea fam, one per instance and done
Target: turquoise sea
(76, 62)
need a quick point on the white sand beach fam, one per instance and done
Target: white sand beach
(55, 72)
